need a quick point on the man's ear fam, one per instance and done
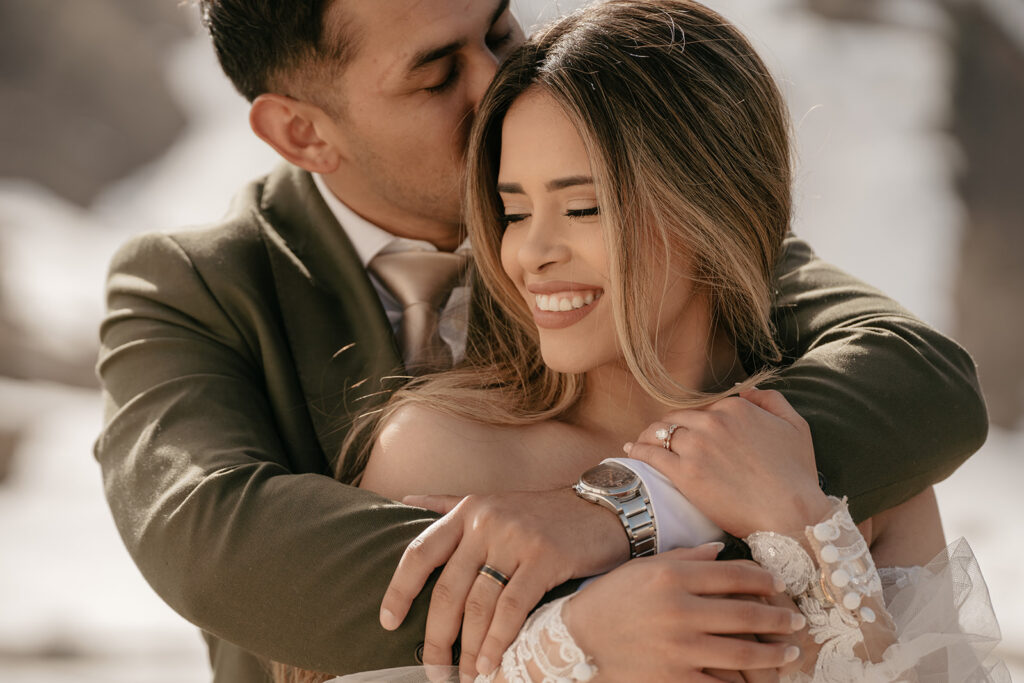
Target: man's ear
(296, 130)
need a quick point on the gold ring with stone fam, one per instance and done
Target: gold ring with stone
(666, 436)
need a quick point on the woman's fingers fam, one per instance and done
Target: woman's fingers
(729, 616)
(731, 577)
(774, 403)
(723, 652)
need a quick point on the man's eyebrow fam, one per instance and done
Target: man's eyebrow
(432, 54)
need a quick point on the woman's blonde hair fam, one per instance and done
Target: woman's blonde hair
(688, 139)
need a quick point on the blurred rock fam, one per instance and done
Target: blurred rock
(989, 101)
(22, 358)
(9, 439)
(846, 10)
(84, 100)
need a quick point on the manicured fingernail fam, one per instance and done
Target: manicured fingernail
(484, 666)
(627, 447)
(797, 621)
(388, 620)
(717, 545)
(791, 653)
(780, 585)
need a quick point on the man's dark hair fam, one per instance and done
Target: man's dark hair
(273, 45)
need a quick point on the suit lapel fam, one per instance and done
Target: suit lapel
(340, 339)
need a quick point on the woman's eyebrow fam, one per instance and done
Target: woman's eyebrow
(511, 188)
(571, 181)
(551, 185)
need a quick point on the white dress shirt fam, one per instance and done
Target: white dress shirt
(679, 524)
(370, 240)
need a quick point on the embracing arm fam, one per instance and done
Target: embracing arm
(893, 405)
(195, 470)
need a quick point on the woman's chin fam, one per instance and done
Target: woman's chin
(566, 363)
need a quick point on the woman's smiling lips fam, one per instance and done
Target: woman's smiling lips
(561, 304)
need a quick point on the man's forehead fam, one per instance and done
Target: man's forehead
(396, 36)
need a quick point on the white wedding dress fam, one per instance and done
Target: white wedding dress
(931, 624)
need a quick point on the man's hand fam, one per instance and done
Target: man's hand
(538, 539)
(662, 619)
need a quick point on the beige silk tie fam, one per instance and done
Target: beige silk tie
(422, 281)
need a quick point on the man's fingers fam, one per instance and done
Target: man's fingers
(432, 548)
(514, 605)
(477, 619)
(447, 601)
(440, 504)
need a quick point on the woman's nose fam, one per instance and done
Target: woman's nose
(542, 246)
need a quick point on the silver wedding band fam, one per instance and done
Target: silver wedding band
(493, 574)
(666, 436)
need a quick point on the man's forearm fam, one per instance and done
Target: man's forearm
(893, 405)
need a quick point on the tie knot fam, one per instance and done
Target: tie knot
(419, 277)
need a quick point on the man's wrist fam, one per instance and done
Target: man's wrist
(619, 489)
(609, 545)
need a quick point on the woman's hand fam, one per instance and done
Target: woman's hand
(664, 618)
(537, 539)
(747, 462)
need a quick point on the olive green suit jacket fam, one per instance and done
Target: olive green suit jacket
(232, 354)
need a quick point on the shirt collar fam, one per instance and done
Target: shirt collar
(369, 239)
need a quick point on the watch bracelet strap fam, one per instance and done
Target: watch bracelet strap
(637, 516)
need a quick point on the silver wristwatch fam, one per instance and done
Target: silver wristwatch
(619, 489)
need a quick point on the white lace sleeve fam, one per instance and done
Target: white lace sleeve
(544, 652)
(920, 624)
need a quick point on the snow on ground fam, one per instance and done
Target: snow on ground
(876, 168)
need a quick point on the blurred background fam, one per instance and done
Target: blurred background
(115, 119)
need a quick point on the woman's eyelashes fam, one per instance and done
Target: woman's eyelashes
(583, 213)
(509, 218)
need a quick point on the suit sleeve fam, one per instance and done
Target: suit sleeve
(893, 405)
(292, 566)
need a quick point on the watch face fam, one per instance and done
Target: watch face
(610, 477)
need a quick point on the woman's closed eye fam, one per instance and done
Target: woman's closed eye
(583, 213)
(510, 218)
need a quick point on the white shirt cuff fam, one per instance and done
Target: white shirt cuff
(679, 523)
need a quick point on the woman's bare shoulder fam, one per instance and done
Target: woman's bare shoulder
(425, 450)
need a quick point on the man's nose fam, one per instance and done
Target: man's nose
(481, 72)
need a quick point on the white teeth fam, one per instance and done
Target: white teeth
(567, 301)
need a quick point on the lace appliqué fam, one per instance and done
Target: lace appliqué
(544, 652)
(841, 596)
